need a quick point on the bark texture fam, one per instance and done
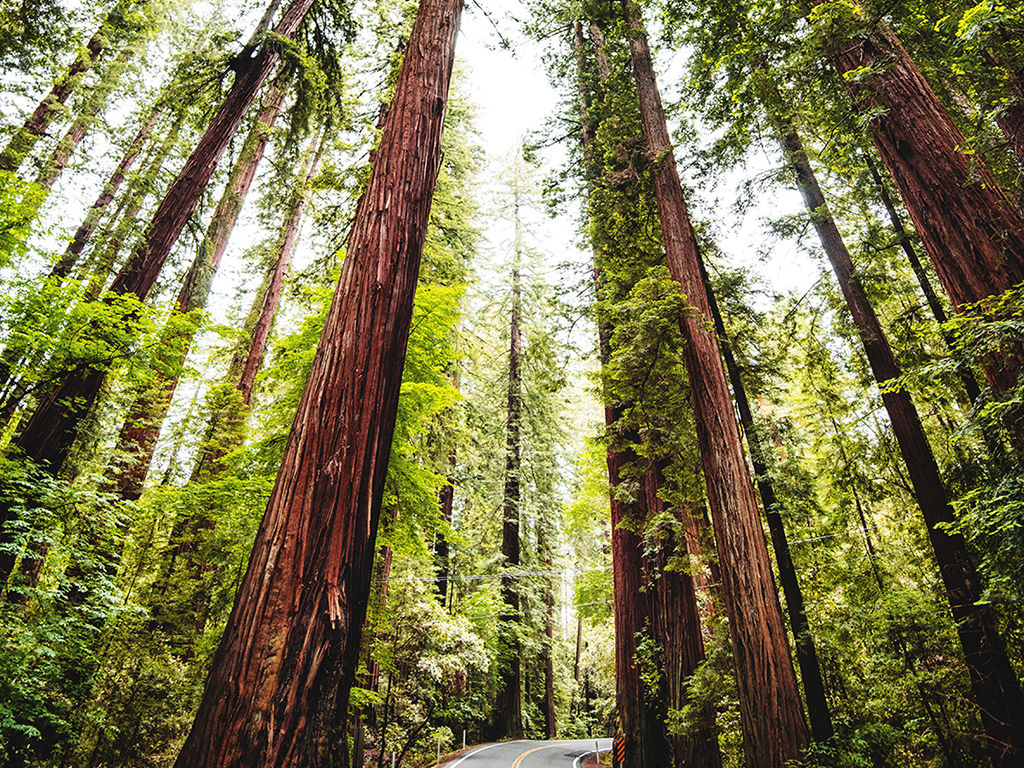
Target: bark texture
(676, 625)
(970, 229)
(994, 684)
(773, 725)
(654, 637)
(277, 694)
(818, 711)
(641, 711)
(49, 433)
(141, 430)
(508, 705)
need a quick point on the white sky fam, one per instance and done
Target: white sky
(514, 97)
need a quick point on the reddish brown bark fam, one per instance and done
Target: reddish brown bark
(818, 711)
(21, 143)
(228, 423)
(272, 296)
(49, 433)
(677, 630)
(641, 712)
(508, 704)
(994, 684)
(74, 250)
(774, 730)
(278, 688)
(140, 433)
(969, 228)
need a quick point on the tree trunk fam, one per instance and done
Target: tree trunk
(49, 433)
(272, 296)
(967, 379)
(24, 139)
(140, 433)
(969, 228)
(278, 689)
(508, 705)
(641, 713)
(74, 250)
(994, 684)
(227, 425)
(79, 128)
(99, 266)
(773, 725)
(806, 653)
(676, 626)
(548, 644)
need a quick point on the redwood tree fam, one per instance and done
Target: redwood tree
(49, 433)
(139, 435)
(508, 707)
(278, 688)
(227, 423)
(994, 683)
(773, 725)
(818, 712)
(21, 143)
(970, 229)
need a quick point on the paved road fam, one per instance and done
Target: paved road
(530, 754)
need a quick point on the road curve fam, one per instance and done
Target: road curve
(530, 754)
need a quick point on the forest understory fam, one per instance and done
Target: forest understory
(339, 429)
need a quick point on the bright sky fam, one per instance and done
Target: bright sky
(514, 97)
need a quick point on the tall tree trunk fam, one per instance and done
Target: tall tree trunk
(994, 684)
(508, 705)
(122, 225)
(27, 135)
(272, 296)
(49, 433)
(818, 711)
(61, 154)
(676, 627)
(969, 228)
(641, 713)
(548, 643)
(967, 379)
(13, 358)
(227, 425)
(74, 249)
(773, 725)
(140, 433)
(278, 689)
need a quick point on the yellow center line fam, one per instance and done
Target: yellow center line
(530, 752)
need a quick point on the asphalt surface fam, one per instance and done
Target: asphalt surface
(530, 754)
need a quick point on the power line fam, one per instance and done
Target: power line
(485, 576)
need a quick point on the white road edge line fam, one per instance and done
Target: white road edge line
(478, 749)
(576, 762)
